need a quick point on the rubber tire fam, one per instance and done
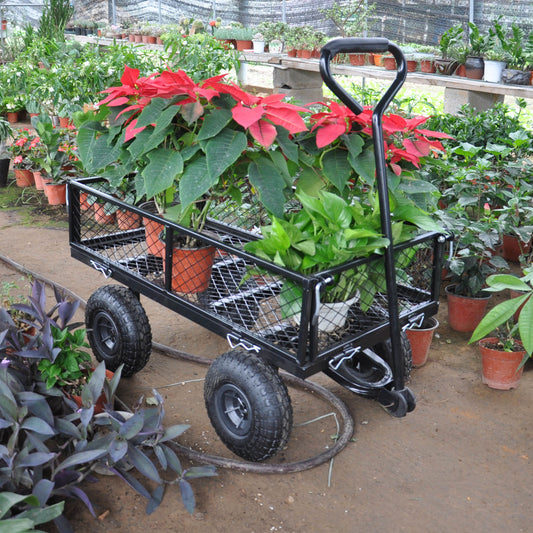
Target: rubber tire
(118, 329)
(261, 423)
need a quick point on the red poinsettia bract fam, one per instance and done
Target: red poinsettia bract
(257, 114)
(404, 140)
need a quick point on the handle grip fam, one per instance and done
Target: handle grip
(356, 45)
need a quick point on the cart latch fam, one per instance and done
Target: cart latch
(101, 268)
(235, 342)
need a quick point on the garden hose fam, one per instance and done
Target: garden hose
(344, 436)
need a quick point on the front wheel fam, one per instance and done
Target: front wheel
(248, 405)
(118, 329)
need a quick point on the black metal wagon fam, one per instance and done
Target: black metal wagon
(363, 348)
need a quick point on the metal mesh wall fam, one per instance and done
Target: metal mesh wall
(420, 21)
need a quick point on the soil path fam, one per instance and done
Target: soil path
(460, 462)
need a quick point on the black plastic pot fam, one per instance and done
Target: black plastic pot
(4, 170)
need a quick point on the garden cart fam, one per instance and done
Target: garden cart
(360, 344)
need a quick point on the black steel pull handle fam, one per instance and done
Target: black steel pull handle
(355, 45)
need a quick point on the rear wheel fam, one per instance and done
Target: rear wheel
(248, 405)
(118, 329)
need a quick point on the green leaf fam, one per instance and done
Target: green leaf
(281, 164)
(497, 316)
(265, 177)
(195, 182)
(43, 515)
(365, 166)
(165, 165)
(10, 499)
(525, 325)
(17, 525)
(289, 147)
(223, 150)
(214, 123)
(157, 110)
(336, 168)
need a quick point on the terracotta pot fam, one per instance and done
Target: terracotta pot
(461, 71)
(389, 63)
(145, 39)
(191, 269)
(128, 220)
(378, 60)
(411, 65)
(84, 203)
(464, 313)
(427, 66)
(357, 60)
(100, 402)
(38, 179)
(24, 177)
(131, 38)
(152, 39)
(12, 117)
(291, 52)
(243, 45)
(500, 370)
(152, 229)
(64, 122)
(138, 38)
(56, 193)
(513, 248)
(420, 340)
(100, 215)
(305, 54)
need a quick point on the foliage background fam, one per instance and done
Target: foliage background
(420, 21)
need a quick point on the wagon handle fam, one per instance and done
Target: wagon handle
(355, 45)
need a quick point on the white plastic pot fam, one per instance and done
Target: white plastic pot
(493, 71)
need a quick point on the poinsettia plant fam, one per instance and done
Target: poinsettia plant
(197, 142)
(24, 144)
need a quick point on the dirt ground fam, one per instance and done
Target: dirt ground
(460, 462)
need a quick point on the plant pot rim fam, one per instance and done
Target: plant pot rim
(495, 340)
(432, 320)
(450, 289)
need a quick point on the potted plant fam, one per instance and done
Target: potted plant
(6, 133)
(23, 143)
(274, 34)
(513, 43)
(420, 336)
(451, 37)
(503, 363)
(469, 265)
(479, 43)
(258, 41)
